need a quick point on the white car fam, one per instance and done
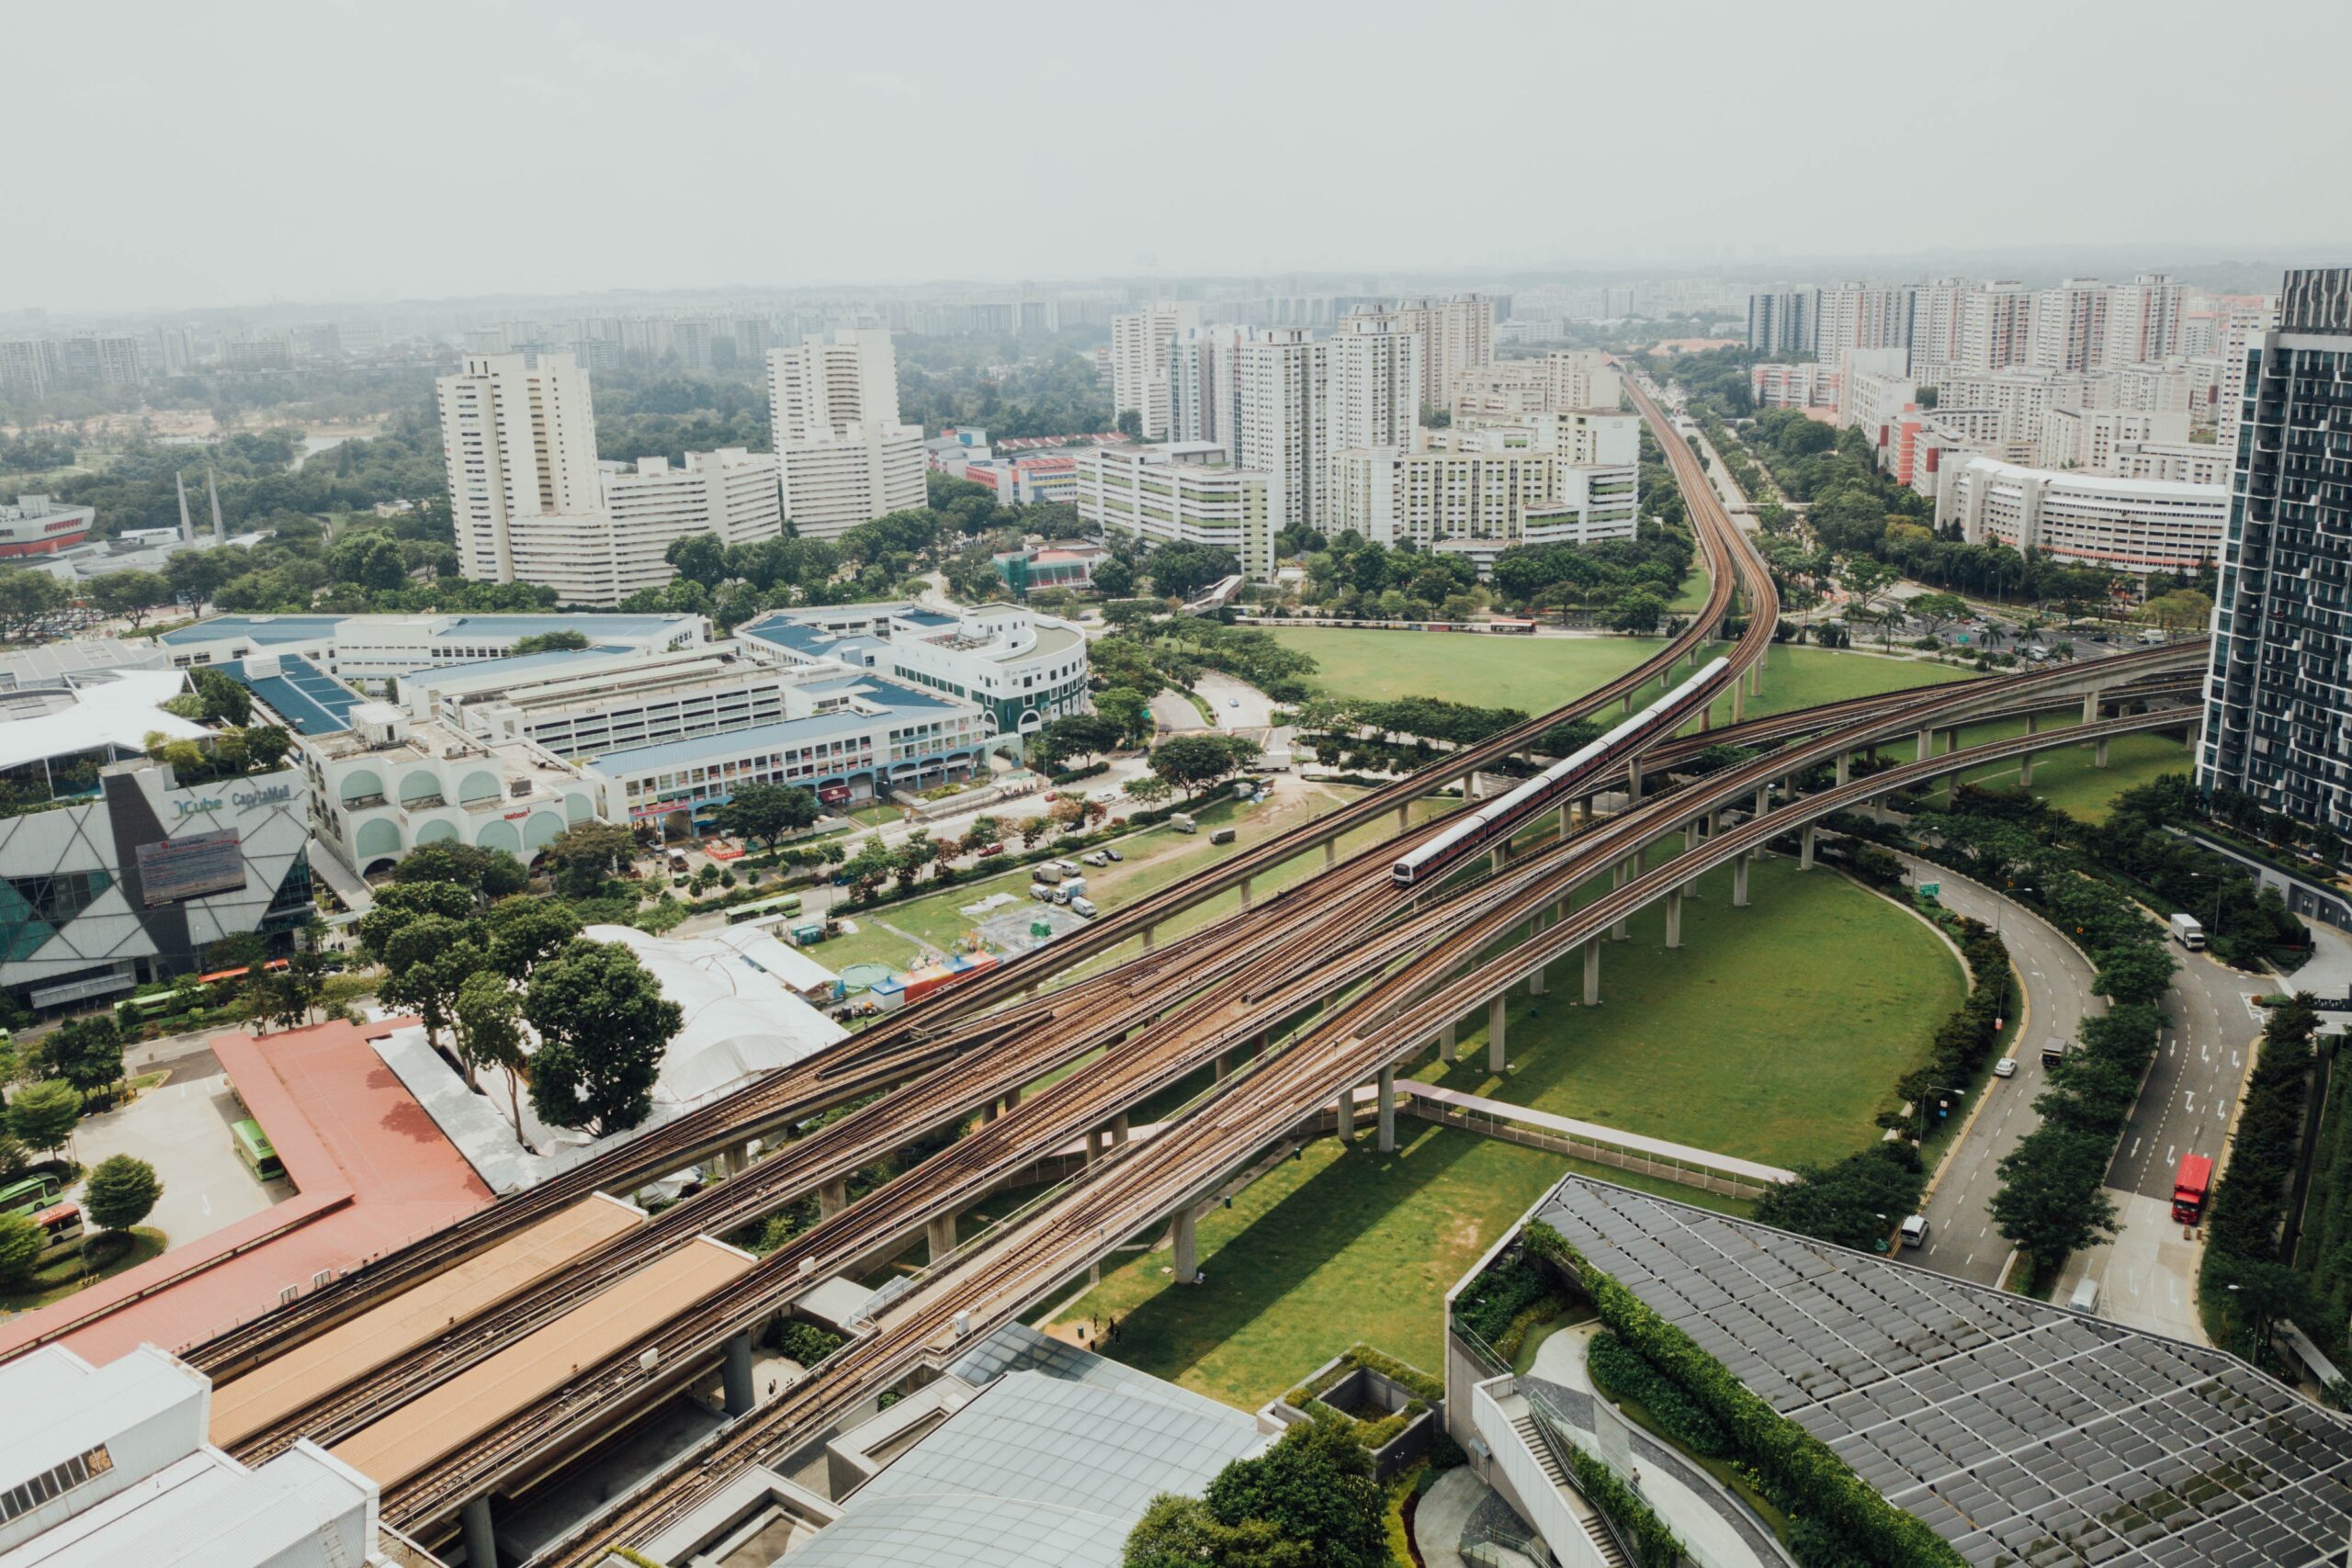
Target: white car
(2007, 1067)
(1233, 702)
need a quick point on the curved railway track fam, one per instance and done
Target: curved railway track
(888, 1054)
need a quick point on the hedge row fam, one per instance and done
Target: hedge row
(2053, 1198)
(2248, 1205)
(1963, 1041)
(1620, 1374)
(1655, 1546)
(1800, 1467)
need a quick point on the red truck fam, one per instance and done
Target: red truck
(2189, 1188)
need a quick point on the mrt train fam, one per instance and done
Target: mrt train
(1497, 820)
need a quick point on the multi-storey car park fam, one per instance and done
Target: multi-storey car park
(1349, 937)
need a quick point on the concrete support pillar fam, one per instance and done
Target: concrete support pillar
(1756, 678)
(831, 1199)
(2025, 770)
(1387, 1110)
(1674, 918)
(2033, 723)
(474, 1528)
(1763, 799)
(1264, 1044)
(1738, 702)
(1926, 744)
(1633, 781)
(1498, 1055)
(740, 1397)
(1739, 881)
(1804, 847)
(2098, 753)
(987, 1111)
(1221, 1069)
(1629, 702)
(1344, 1109)
(1845, 768)
(1593, 972)
(1706, 718)
(1448, 1051)
(1404, 818)
(2090, 707)
(1619, 875)
(1012, 1099)
(939, 1237)
(1187, 1248)
(1331, 854)
(1118, 1129)
(1245, 892)
(1151, 940)
(1691, 833)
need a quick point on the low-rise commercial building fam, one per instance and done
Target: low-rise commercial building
(2132, 526)
(1183, 492)
(1020, 668)
(380, 648)
(117, 1470)
(114, 871)
(1801, 385)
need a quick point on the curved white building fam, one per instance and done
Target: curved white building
(2138, 526)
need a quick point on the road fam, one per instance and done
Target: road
(2056, 979)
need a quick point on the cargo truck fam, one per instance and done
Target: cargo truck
(2189, 1188)
(2188, 932)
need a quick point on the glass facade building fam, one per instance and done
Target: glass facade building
(2280, 684)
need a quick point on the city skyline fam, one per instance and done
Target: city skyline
(807, 152)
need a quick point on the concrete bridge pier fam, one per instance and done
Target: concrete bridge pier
(1497, 1055)
(831, 1199)
(1739, 880)
(1633, 781)
(1387, 1110)
(1188, 1249)
(2098, 753)
(1618, 876)
(1151, 940)
(1404, 818)
(2090, 707)
(1245, 891)
(742, 1397)
(1593, 972)
(2025, 770)
(1804, 849)
(1447, 1051)
(1845, 768)
(1331, 854)
(1674, 918)
(480, 1533)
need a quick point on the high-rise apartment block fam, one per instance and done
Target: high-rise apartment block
(1205, 384)
(1512, 389)
(519, 433)
(1784, 321)
(1286, 427)
(1860, 316)
(731, 494)
(1456, 335)
(2281, 682)
(1140, 343)
(844, 457)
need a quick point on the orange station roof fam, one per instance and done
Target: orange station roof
(350, 1350)
(371, 1172)
(445, 1418)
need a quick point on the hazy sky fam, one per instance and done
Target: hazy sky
(183, 154)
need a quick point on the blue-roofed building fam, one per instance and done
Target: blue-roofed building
(848, 736)
(1023, 668)
(311, 700)
(364, 649)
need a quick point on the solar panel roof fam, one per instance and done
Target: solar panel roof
(302, 693)
(2022, 1432)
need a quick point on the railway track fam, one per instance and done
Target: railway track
(887, 1055)
(1055, 1244)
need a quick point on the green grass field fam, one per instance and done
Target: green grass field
(1775, 1032)
(1537, 674)
(1325, 1250)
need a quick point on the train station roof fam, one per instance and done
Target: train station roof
(2019, 1432)
(451, 1414)
(351, 1349)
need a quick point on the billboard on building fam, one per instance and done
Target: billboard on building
(191, 867)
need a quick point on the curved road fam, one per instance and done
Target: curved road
(2056, 980)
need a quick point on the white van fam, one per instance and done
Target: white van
(2086, 1298)
(1915, 1230)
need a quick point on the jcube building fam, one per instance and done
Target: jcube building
(114, 871)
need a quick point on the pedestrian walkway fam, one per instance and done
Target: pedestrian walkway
(1590, 1141)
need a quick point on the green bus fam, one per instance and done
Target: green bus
(786, 903)
(254, 1148)
(132, 1012)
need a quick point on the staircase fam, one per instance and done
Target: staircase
(1540, 1444)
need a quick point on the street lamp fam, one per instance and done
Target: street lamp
(1920, 1107)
